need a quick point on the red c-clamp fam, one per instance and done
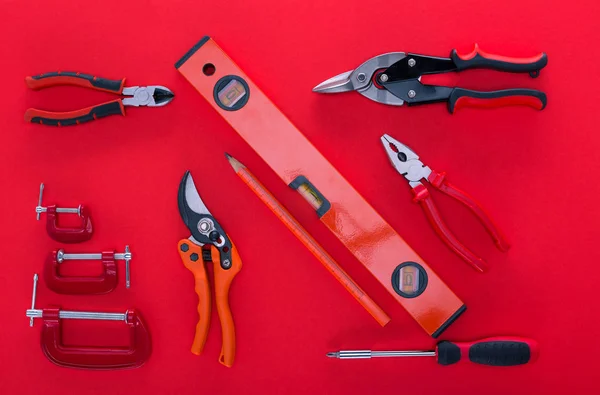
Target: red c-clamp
(93, 358)
(86, 285)
(65, 235)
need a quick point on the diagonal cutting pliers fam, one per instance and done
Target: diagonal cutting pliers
(150, 96)
(407, 163)
(395, 78)
(208, 243)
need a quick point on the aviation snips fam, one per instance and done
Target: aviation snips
(395, 78)
(208, 243)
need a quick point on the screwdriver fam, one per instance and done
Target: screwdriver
(493, 351)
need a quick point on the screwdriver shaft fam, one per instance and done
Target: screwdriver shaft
(362, 354)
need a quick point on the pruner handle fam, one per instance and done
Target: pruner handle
(223, 280)
(191, 255)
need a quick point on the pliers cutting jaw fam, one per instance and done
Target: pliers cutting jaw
(151, 96)
(207, 232)
(408, 164)
(405, 161)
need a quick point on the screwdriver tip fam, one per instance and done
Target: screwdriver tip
(332, 355)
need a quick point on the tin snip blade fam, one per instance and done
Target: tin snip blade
(208, 243)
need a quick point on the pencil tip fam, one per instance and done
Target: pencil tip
(234, 162)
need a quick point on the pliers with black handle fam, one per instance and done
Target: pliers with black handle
(151, 96)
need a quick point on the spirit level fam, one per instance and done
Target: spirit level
(339, 206)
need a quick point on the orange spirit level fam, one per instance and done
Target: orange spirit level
(339, 206)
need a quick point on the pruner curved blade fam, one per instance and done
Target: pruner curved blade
(204, 227)
(361, 80)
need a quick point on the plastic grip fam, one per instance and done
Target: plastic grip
(494, 351)
(438, 180)
(77, 117)
(57, 78)
(422, 196)
(460, 98)
(223, 280)
(191, 255)
(478, 59)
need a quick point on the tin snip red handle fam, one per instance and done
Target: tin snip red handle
(461, 98)
(479, 59)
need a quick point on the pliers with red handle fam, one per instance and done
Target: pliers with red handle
(407, 163)
(151, 96)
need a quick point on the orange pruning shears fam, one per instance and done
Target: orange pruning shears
(208, 243)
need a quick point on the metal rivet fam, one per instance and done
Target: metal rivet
(383, 77)
(412, 93)
(361, 77)
(411, 62)
(194, 257)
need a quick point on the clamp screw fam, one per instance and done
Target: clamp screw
(127, 257)
(35, 281)
(411, 62)
(361, 77)
(412, 93)
(383, 78)
(38, 209)
(226, 264)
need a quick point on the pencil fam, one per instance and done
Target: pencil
(309, 242)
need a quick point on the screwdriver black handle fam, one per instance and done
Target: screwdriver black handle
(493, 351)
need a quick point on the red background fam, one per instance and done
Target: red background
(533, 171)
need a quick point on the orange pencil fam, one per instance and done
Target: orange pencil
(290, 222)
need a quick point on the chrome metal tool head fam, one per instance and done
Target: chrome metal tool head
(405, 160)
(151, 96)
(365, 79)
